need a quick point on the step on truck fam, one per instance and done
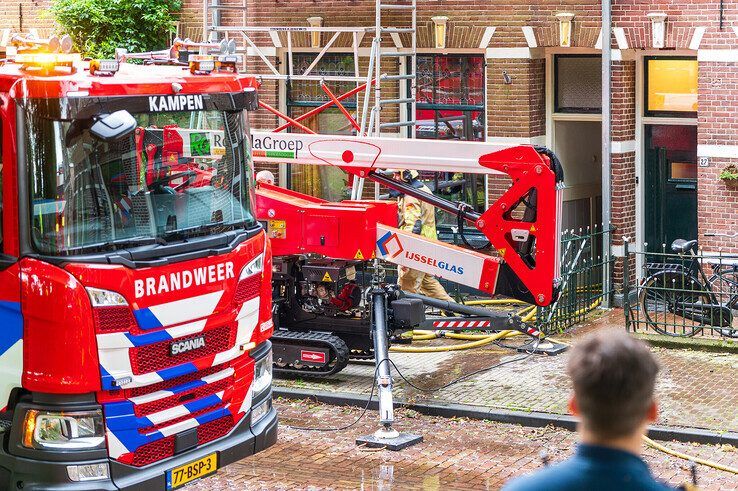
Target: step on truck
(135, 281)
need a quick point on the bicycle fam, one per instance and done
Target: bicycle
(685, 291)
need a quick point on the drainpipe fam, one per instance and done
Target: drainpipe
(606, 146)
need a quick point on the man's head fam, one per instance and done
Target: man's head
(613, 376)
(403, 175)
(265, 177)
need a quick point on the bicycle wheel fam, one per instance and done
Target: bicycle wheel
(725, 286)
(671, 303)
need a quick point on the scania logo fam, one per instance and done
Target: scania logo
(185, 345)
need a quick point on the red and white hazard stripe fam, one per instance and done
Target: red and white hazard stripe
(461, 324)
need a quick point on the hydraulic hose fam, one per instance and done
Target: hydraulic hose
(455, 347)
(709, 463)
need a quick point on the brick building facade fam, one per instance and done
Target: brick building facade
(669, 144)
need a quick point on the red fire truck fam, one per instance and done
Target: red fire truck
(135, 281)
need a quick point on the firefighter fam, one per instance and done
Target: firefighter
(418, 217)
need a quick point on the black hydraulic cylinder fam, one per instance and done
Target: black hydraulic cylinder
(446, 205)
(454, 307)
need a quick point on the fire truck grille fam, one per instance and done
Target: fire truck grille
(177, 381)
(247, 289)
(185, 417)
(156, 356)
(154, 451)
(214, 429)
(164, 448)
(182, 397)
(114, 318)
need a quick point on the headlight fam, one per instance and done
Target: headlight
(255, 266)
(82, 430)
(258, 412)
(262, 374)
(105, 298)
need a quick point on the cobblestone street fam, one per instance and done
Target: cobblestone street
(696, 389)
(457, 454)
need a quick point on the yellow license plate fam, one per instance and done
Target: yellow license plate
(179, 476)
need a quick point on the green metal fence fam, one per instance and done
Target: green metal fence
(681, 291)
(582, 290)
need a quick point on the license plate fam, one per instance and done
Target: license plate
(179, 476)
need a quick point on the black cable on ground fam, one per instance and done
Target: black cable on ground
(468, 375)
(422, 389)
(346, 427)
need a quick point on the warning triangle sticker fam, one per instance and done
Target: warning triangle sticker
(359, 255)
(502, 251)
(327, 277)
(374, 255)
(533, 228)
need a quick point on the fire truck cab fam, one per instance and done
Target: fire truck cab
(135, 280)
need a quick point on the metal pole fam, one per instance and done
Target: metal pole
(606, 155)
(381, 355)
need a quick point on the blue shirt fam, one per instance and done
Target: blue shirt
(592, 468)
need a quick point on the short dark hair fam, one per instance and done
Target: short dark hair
(614, 376)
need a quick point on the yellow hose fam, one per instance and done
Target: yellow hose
(684, 456)
(455, 347)
(495, 301)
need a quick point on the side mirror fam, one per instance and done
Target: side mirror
(112, 127)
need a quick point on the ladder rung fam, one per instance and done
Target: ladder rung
(399, 77)
(398, 124)
(387, 102)
(396, 30)
(226, 7)
(395, 6)
(398, 54)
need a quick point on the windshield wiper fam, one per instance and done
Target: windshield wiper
(123, 243)
(185, 233)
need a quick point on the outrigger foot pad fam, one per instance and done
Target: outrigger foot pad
(400, 442)
(545, 347)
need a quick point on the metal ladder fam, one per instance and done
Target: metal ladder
(407, 79)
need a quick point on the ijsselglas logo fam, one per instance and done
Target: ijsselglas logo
(389, 245)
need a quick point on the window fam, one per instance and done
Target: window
(578, 84)
(671, 86)
(302, 96)
(450, 97)
(450, 106)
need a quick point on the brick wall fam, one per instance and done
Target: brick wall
(717, 203)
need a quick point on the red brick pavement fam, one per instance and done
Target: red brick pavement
(457, 454)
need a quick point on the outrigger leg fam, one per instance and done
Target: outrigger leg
(385, 437)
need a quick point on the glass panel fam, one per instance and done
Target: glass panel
(322, 181)
(178, 175)
(672, 85)
(579, 84)
(683, 170)
(450, 80)
(447, 86)
(302, 91)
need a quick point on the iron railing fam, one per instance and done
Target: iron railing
(681, 293)
(582, 289)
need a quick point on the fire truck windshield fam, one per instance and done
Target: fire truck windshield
(176, 176)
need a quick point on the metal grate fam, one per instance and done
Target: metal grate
(247, 289)
(214, 429)
(182, 397)
(177, 381)
(153, 452)
(153, 357)
(114, 318)
(184, 417)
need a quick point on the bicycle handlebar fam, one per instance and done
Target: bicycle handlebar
(719, 234)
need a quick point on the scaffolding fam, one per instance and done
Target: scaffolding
(396, 25)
